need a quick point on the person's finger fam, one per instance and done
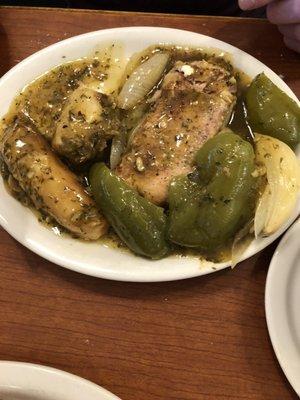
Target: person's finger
(284, 12)
(290, 31)
(292, 44)
(252, 4)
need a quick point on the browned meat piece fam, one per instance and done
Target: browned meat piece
(49, 184)
(194, 104)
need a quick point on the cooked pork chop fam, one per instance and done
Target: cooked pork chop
(194, 103)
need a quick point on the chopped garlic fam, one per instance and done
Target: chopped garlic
(139, 164)
(187, 70)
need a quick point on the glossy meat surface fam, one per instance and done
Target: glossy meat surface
(194, 103)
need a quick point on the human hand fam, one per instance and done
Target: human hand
(284, 13)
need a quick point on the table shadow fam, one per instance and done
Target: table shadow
(5, 63)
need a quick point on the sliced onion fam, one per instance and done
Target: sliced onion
(142, 80)
(279, 198)
(241, 242)
(118, 147)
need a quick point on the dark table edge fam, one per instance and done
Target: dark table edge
(134, 13)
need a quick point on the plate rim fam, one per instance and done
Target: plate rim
(274, 267)
(125, 275)
(17, 367)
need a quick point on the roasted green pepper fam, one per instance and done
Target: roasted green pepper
(139, 223)
(211, 205)
(272, 112)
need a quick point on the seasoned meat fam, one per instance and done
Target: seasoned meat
(194, 103)
(51, 186)
(87, 121)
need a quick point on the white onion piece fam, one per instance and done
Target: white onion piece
(142, 80)
(241, 242)
(283, 183)
(118, 147)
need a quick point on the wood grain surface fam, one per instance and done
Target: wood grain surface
(204, 338)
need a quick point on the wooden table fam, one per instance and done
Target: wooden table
(199, 339)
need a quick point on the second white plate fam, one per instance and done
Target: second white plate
(283, 302)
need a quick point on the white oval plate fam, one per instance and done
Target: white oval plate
(23, 381)
(93, 258)
(282, 301)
